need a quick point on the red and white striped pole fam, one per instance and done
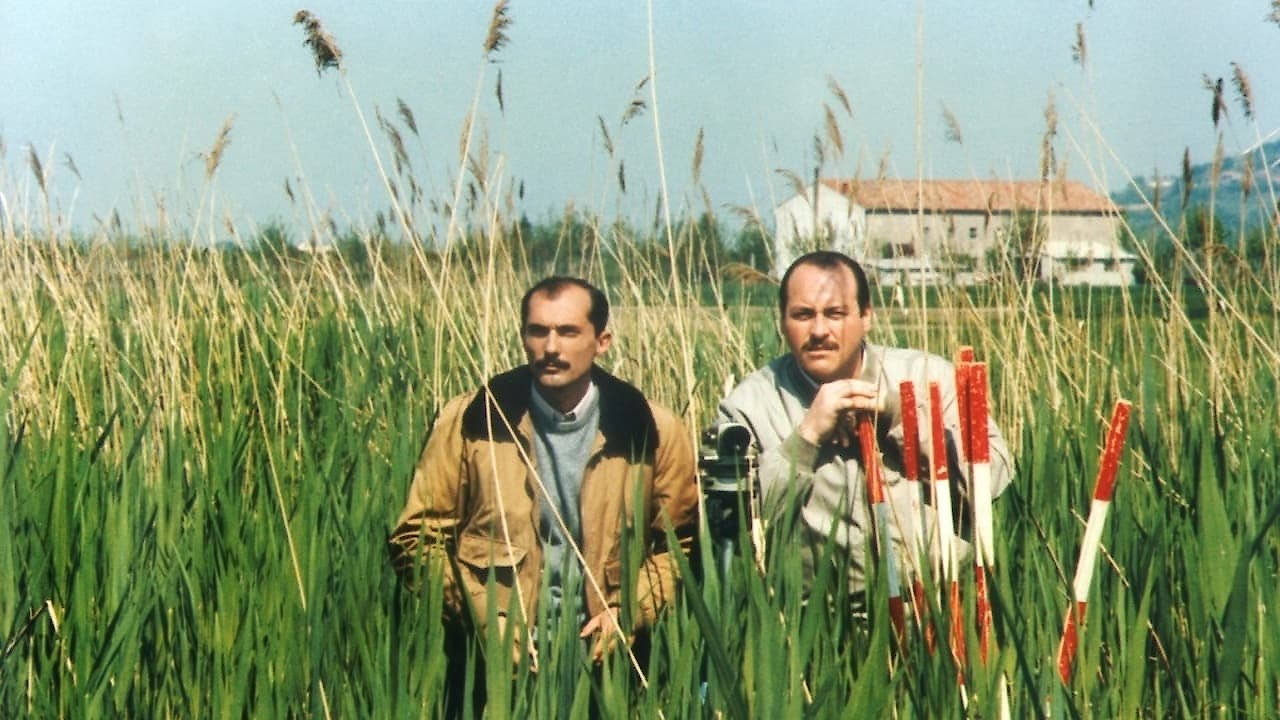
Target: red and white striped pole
(911, 470)
(941, 483)
(984, 555)
(977, 412)
(964, 359)
(1103, 491)
(880, 507)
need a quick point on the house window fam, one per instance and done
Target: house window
(973, 233)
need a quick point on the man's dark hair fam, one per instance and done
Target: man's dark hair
(827, 260)
(598, 313)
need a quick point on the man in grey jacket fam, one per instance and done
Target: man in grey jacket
(801, 409)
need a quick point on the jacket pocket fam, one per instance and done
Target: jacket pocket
(482, 552)
(613, 575)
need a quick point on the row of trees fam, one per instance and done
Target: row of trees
(573, 243)
(703, 247)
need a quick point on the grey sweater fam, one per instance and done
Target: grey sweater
(562, 445)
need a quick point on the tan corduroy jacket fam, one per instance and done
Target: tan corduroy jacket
(477, 468)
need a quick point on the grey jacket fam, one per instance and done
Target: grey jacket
(823, 489)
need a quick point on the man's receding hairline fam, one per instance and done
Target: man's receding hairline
(554, 291)
(551, 288)
(837, 267)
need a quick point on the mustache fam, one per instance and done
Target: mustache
(550, 364)
(820, 345)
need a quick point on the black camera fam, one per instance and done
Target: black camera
(727, 468)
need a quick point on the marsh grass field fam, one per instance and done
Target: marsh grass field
(202, 452)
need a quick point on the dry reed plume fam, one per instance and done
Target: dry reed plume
(1188, 179)
(833, 130)
(952, 125)
(213, 158)
(406, 114)
(498, 24)
(37, 169)
(1219, 109)
(840, 95)
(1047, 158)
(324, 49)
(1244, 90)
(697, 158)
(70, 164)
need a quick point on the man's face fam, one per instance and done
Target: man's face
(822, 323)
(561, 344)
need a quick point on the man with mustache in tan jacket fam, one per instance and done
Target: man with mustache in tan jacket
(532, 484)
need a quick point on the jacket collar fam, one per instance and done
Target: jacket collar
(626, 422)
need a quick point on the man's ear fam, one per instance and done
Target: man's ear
(603, 341)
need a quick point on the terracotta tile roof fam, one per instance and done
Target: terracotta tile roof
(972, 195)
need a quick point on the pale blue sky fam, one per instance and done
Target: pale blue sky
(134, 90)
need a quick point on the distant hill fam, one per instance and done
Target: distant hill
(1228, 197)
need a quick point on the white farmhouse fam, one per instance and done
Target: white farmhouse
(951, 226)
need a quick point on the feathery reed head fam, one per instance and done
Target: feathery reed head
(633, 110)
(214, 157)
(70, 163)
(1187, 177)
(498, 25)
(1079, 51)
(840, 95)
(1047, 159)
(953, 126)
(1219, 109)
(1244, 89)
(399, 155)
(833, 130)
(324, 48)
(407, 116)
(698, 150)
(37, 168)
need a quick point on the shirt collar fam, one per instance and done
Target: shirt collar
(544, 409)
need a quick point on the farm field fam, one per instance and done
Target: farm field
(203, 451)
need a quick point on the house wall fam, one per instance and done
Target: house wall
(948, 237)
(1083, 228)
(935, 235)
(841, 226)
